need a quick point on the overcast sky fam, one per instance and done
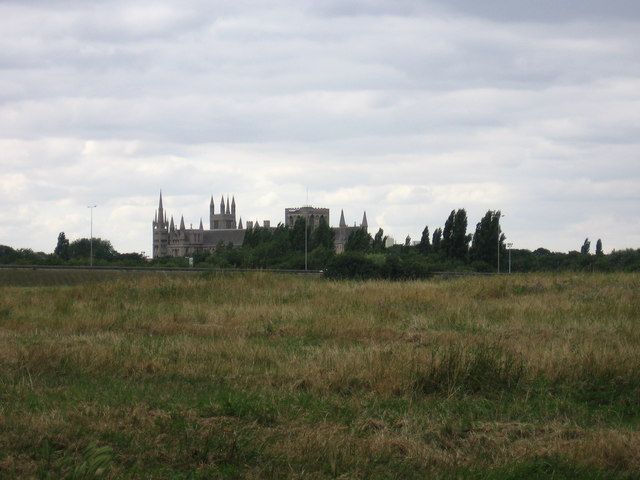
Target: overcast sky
(407, 109)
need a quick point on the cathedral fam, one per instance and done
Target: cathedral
(170, 240)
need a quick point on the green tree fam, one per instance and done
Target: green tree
(586, 246)
(297, 234)
(599, 251)
(455, 241)
(379, 241)
(447, 233)
(62, 247)
(436, 240)
(459, 238)
(102, 249)
(358, 241)
(425, 243)
(249, 238)
(484, 246)
(7, 255)
(322, 236)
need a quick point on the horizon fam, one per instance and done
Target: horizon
(397, 241)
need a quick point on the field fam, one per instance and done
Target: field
(272, 376)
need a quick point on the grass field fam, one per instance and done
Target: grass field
(271, 376)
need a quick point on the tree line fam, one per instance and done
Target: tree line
(448, 248)
(75, 252)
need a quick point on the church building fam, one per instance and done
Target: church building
(170, 240)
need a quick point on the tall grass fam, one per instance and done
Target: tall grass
(258, 375)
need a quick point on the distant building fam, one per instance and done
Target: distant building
(343, 231)
(170, 240)
(313, 214)
(316, 215)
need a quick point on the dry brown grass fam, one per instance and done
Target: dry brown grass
(264, 375)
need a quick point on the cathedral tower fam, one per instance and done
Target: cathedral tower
(225, 219)
(160, 231)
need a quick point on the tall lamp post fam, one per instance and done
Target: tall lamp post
(91, 207)
(499, 235)
(509, 245)
(306, 220)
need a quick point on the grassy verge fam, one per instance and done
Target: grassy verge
(258, 375)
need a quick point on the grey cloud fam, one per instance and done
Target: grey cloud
(407, 109)
(547, 10)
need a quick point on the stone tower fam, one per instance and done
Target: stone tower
(160, 232)
(226, 219)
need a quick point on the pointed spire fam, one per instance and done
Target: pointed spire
(182, 222)
(228, 211)
(211, 206)
(233, 205)
(240, 224)
(172, 227)
(222, 204)
(364, 220)
(201, 227)
(160, 212)
(342, 222)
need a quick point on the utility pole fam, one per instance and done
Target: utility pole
(499, 235)
(306, 220)
(91, 207)
(509, 245)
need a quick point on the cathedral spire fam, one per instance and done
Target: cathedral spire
(172, 227)
(201, 227)
(228, 206)
(233, 206)
(211, 206)
(240, 224)
(222, 204)
(342, 222)
(182, 222)
(364, 223)
(160, 213)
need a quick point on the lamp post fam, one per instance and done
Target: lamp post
(509, 245)
(91, 207)
(500, 215)
(306, 220)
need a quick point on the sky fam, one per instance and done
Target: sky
(406, 109)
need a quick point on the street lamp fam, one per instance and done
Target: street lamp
(91, 207)
(500, 215)
(509, 245)
(306, 221)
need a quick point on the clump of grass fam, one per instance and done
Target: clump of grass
(470, 369)
(93, 462)
(554, 467)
